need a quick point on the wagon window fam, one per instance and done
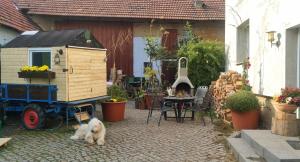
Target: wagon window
(40, 58)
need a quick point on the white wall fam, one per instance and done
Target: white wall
(140, 56)
(268, 71)
(7, 34)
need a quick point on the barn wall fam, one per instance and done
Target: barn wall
(87, 73)
(211, 30)
(103, 32)
(12, 59)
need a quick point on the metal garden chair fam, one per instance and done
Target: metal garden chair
(202, 104)
(165, 107)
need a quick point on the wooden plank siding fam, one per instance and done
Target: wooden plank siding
(87, 73)
(12, 59)
(85, 78)
(103, 32)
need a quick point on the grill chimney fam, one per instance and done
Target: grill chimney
(182, 82)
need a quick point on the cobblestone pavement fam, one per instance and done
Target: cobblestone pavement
(130, 140)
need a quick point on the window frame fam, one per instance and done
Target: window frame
(31, 50)
(242, 35)
(298, 59)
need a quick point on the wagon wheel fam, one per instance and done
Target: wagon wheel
(33, 117)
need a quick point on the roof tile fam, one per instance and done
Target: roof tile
(12, 17)
(149, 9)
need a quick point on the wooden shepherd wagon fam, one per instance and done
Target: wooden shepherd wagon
(55, 72)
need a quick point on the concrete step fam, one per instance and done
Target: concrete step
(273, 148)
(242, 151)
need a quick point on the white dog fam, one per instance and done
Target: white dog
(92, 132)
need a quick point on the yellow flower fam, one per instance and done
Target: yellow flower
(34, 68)
(276, 98)
(114, 100)
(25, 68)
(43, 68)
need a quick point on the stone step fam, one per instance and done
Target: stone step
(273, 148)
(242, 151)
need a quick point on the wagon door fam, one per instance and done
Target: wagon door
(86, 73)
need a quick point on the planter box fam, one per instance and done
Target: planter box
(44, 74)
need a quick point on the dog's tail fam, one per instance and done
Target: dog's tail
(74, 137)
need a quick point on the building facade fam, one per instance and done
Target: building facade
(248, 25)
(135, 17)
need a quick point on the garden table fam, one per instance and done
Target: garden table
(180, 103)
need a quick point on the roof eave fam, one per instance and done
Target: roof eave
(131, 18)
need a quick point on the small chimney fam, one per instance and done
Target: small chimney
(199, 4)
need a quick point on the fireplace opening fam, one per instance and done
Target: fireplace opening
(183, 89)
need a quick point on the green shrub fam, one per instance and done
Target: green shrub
(242, 101)
(206, 58)
(117, 93)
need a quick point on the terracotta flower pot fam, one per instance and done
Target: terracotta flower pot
(148, 101)
(140, 103)
(245, 120)
(113, 111)
(287, 108)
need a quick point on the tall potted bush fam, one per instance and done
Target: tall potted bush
(113, 110)
(244, 110)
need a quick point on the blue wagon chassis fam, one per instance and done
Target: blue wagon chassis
(15, 97)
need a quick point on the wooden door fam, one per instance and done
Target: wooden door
(86, 73)
(169, 68)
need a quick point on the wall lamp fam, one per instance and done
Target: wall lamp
(57, 58)
(271, 38)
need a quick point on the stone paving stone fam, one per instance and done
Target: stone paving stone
(130, 140)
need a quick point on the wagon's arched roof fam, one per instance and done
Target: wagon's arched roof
(55, 38)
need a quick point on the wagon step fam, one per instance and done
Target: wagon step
(82, 114)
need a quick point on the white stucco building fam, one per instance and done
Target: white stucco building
(246, 25)
(6, 35)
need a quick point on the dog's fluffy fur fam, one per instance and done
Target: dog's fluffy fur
(92, 132)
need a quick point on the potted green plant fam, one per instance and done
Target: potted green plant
(286, 101)
(113, 110)
(140, 100)
(244, 110)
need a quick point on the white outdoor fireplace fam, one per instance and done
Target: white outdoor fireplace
(183, 84)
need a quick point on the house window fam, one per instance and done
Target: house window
(40, 57)
(292, 57)
(242, 51)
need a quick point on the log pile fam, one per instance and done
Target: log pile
(228, 83)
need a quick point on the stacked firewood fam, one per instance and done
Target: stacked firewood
(228, 83)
